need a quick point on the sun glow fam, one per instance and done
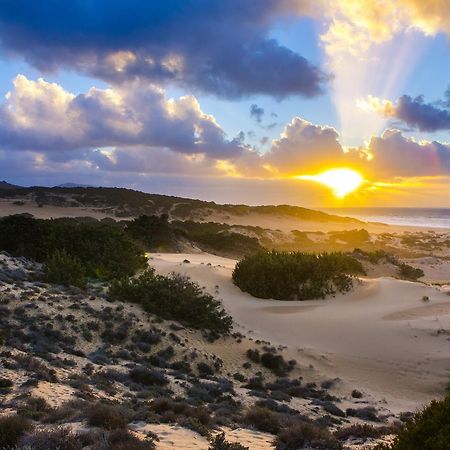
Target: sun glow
(341, 181)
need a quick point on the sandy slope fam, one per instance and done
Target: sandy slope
(381, 338)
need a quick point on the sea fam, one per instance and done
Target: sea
(417, 217)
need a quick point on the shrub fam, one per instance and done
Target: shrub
(123, 440)
(295, 275)
(5, 383)
(12, 428)
(275, 363)
(106, 416)
(353, 237)
(364, 430)
(104, 250)
(57, 439)
(148, 377)
(409, 272)
(253, 355)
(302, 435)
(153, 232)
(428, 430)
(34, 408)
(263, 419)
(62, 268)
(219, 443)
(174, 297)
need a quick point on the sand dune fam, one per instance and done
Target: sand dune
(381, 338)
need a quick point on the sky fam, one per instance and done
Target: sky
(317, 103)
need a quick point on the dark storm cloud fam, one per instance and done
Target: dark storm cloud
(214, 46)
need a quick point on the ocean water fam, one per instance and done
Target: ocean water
(417, 217)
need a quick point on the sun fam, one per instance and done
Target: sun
(341, 181)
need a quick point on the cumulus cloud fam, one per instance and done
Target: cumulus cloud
(135, 129)
(355, 25)
(217, 46)
(394, 155)
(304, 148)
(42, 116)
(413, 112)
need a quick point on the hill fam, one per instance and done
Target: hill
(127, 203)
(4, 186)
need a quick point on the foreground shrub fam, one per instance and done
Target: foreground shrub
(62, 268)
(106, 416)
(305, 435)
(429, 429)
(295, 275)
(219, 443)
(12, 428)
(174, 297)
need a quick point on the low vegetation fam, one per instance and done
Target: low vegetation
(63, 268)
(409, 272)
(306, 435)
(428, 430)
(94, 250)
(295, 275)
(12, 428)
(176, 298)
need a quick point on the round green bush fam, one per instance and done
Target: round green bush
(295, 275)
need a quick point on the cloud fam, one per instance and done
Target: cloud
(257, 112)
(42, 116)
(355, 25)
(304, 148)
(135, 129)
(413, 112)
(394, 155)
(216, 46)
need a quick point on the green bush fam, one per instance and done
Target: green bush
(176, 298)
(429, 429)
(409, 272)
(104, 250)
(295, 275)
(229, 242)
(153, 232)
(65, 269)
(354, 237)
(219, 237)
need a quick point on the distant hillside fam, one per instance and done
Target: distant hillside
(73, 185)
(4, 186)
(120, 202)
